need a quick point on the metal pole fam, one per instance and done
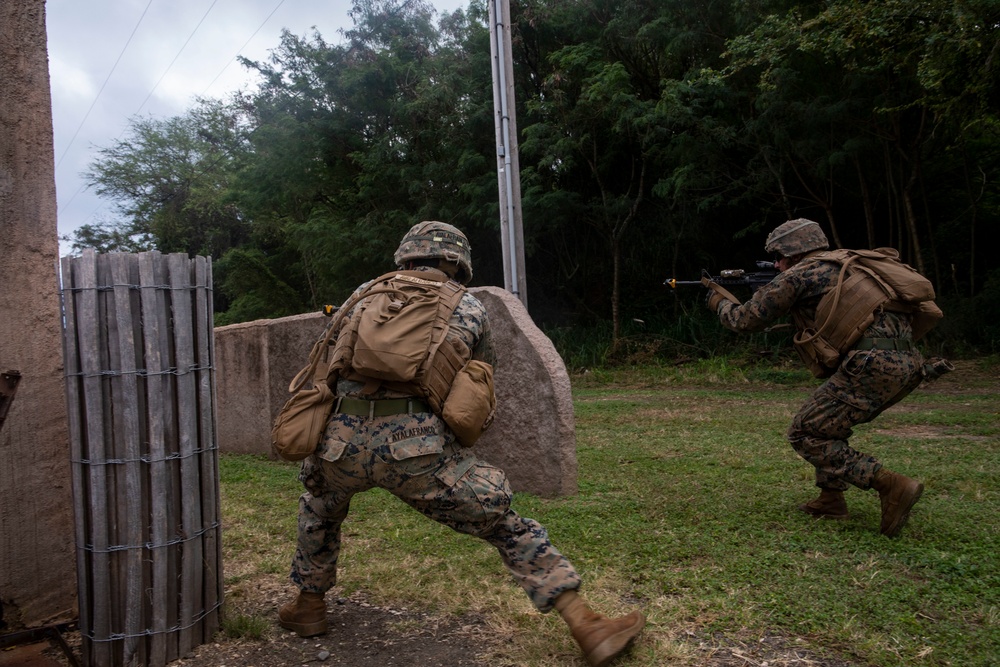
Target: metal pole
(508, 171)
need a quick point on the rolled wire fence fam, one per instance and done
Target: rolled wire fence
(140, 392)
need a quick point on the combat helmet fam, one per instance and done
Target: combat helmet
(436, 240)
(796, 237)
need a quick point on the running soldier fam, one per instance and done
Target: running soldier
(879, 370)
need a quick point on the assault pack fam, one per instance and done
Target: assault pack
(397, 336)
(869, 280)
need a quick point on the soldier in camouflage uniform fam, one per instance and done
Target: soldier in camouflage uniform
(879, 372)
(390, 440)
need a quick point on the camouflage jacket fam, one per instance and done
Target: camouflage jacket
(797, 291)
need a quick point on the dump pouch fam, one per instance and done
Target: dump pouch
(300, 424)
(471, 403)
(935, 367)
(816, 353)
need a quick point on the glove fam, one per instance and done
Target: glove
(716, 294)
(713, 301)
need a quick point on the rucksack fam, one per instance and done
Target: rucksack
(868, 280)
(397, 337)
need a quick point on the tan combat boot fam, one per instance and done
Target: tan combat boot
(602, 639)
(829, 505)
(305, 616)
(898, 494)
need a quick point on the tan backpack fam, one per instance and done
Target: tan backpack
(398, 338)
(868, 280)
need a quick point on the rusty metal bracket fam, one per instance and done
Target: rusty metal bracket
(51, 633)
(8, 387)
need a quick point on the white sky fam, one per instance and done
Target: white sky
(110, 60)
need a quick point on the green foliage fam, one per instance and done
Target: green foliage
(172, 180)
(253, 290)
(655, 138)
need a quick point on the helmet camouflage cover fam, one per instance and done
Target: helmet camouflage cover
(436, 240)
(796, 237)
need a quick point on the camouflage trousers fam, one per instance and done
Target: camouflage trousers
(417, 458)
(866, 383)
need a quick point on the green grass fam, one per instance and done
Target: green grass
(687, 501)
(242, 626)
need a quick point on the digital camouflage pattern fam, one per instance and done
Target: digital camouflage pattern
(436, 240)
(417, 458)
(866, 382)
(796, 237)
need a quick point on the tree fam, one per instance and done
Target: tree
(172, 181)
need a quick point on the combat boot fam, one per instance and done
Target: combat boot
(602, 639)
(829, 505)
(305, 616)
(898, 494)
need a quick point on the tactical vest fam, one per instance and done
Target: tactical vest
(397, 337)
(869, 281)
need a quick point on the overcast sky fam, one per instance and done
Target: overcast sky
(110, 60)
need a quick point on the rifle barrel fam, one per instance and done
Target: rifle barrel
(673, 282)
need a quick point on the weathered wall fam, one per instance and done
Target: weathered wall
(533, 437)
(254, 363)
(37, 565)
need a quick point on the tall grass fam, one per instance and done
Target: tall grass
(687, 508)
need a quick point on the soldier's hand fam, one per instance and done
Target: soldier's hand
(714, 299)
(715, 293)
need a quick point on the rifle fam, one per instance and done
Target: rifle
(730, 277)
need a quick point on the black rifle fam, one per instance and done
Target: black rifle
(730, 277)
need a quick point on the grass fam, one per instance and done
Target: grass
(687, 507)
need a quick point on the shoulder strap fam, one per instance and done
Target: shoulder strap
(836, 255)
(312, 369)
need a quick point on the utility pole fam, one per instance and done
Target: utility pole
(508, 168)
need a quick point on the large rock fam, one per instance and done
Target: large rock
(533, 437)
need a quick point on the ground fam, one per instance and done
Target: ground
(366, 635)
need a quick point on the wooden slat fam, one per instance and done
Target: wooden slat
(155, 326)
(192, 573)
(88, 327)
(172, 499)
(206, 439)
(126, 447)
(219, 568)
(74, 399)
(113, 473)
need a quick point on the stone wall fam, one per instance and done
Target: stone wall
(37, 555)
(532, 439)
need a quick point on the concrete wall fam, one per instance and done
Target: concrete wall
(533, 437)
(37, 556)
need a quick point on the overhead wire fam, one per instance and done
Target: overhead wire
(230, 61)
(108, 78)
(160, 80)
(183, 46)
(153, 90)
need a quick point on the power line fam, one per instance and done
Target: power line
(183, 46)
(162, 77)
(230, 62)
(113, 67)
